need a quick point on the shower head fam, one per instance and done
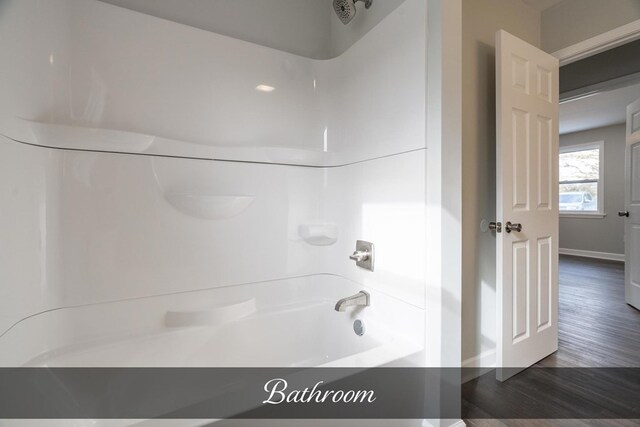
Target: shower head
(346, 9)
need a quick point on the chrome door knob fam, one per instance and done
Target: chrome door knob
(513, 227)
(495, 226)
(624, 213)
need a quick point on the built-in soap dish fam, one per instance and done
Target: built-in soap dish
(213, 316)
(319, 234)
(209, 206)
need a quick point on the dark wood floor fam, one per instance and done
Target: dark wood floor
(596, 329)
(552, 423)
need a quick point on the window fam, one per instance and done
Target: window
(581, 179)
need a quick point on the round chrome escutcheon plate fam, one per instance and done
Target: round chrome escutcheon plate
(358, 327)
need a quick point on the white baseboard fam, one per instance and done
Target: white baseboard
(592, 254)
(486, 359)
(444, 422)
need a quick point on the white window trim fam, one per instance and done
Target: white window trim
(588, 214)
(582, 215)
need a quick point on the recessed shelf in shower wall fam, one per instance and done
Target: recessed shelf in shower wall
(319, 234)
(209, 206)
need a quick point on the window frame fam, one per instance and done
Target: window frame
(599, 213)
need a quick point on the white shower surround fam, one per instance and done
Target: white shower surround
(95, 227)
(107, 67)
(131, 195)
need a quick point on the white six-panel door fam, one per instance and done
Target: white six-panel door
(527, 194)
(632, 202)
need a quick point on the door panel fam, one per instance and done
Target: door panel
(545, 281)
(545, 83)
(545, 162)
(527, 194)
(521, 275)
(635, 173)
(635, 122)
(520, 159)
(635, 250)
(632, 205)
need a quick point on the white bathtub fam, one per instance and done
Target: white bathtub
(284, 323)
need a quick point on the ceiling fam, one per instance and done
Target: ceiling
(602, 109)
(541, 4)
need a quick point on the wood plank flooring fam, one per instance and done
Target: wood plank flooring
(596, 329)
(551, 423)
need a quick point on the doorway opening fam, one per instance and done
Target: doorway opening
(598, 326)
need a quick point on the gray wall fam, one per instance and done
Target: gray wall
(343, 36)
(303, 27)
(296, 26)
(600, 234)
(572, 21)
(480, 20)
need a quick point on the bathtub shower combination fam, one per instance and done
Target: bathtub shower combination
(176, 197)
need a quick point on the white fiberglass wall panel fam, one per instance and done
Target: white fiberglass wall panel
(96, 65)
(84, 227)
(138, 73)
(96, 227)
(375, 91)
(136, 226)
(87, 225)
(33, 85)
(381, 201)
(30, 259)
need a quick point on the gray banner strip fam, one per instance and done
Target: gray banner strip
(323, 393)
(204, 393)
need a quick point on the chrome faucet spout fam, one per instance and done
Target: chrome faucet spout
(361, 298)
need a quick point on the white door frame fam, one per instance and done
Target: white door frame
(600, 43)
(593, 46)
